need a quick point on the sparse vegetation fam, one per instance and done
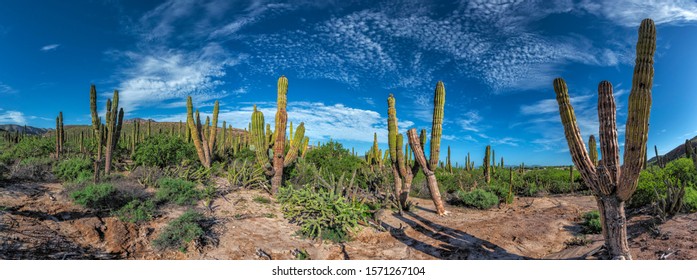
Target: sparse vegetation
(136, 211)
(163, 151)
(177, 191)
(591, 223)
(95, 196)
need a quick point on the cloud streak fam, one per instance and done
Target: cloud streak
(51, 47)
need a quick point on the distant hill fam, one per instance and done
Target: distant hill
(140, 120)
(675, 153)
(30, 129)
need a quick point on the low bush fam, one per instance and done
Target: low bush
(181, 231)
(321, 213)
(591, 223)
(147, 176)
(177, 191)
(74, 169)
(478, 198)
(28, 147)
(136, 211)
(163, 150)
(99, 196)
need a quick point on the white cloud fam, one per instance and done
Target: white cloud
(50, 47)
(12, 117)
(630, 12)
(470, 121)
(506, 141)
(321, 121)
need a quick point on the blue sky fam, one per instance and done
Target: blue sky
(342, 58)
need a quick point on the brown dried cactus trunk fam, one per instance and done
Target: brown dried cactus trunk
(430, 176)
(611, 184)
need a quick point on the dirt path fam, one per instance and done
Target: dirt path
(37, 222)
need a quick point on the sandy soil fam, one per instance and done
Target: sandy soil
(38, 222)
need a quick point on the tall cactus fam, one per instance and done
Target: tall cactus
(688, 149)
(487, 161)
(114, 121)
(437, 124)
(203, 142)
(593, 150)
(448, 165)
(611, 183)
(60, 135)
(392, 144)
(98, 131)
(275, 162)
(417, 145)
(280, 134)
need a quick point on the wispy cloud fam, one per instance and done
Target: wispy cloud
(51, 47)
(4, 88)
(163, 76)
(631, 12)
(470, 121)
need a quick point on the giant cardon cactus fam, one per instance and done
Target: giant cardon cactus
(274, 161)
(417, 144)
(611, 183)
(203, 137)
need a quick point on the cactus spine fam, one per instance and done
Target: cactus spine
(203, 142)
(611, 183)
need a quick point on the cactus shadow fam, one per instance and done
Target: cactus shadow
(444, 242)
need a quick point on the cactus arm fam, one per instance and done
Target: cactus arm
(214, 129)
(593, 149)
(295, 145)
(430, 176)
(577, 148)
(609, 166)
(437, 125)
(194, 130)
(637, 126)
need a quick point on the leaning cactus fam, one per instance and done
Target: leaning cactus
(611, 183)
(203, 142)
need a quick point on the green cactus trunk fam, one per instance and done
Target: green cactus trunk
(487, 160)
(437, 124)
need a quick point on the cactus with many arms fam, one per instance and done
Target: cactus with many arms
(611, 183)
(203, 142)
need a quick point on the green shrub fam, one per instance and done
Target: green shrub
(177, 191)
(73, 169)
(181, 231)
(99, 196)
(591, 223)
(479, 198)
(163, 150)
(29, 147)
(690, 200)
(321, 213)
(136, 211)
(332, 158)
(261, 200)
(652, 180)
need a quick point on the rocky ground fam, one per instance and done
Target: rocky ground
(37, 221)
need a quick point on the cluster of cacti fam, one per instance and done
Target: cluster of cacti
(270, 146)
(105, 134)
(611, 183)
(374, 156)
(60, 135)
(485, 166)
(403, 169)
(203, 136)
(469, 165)
(416, 146)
